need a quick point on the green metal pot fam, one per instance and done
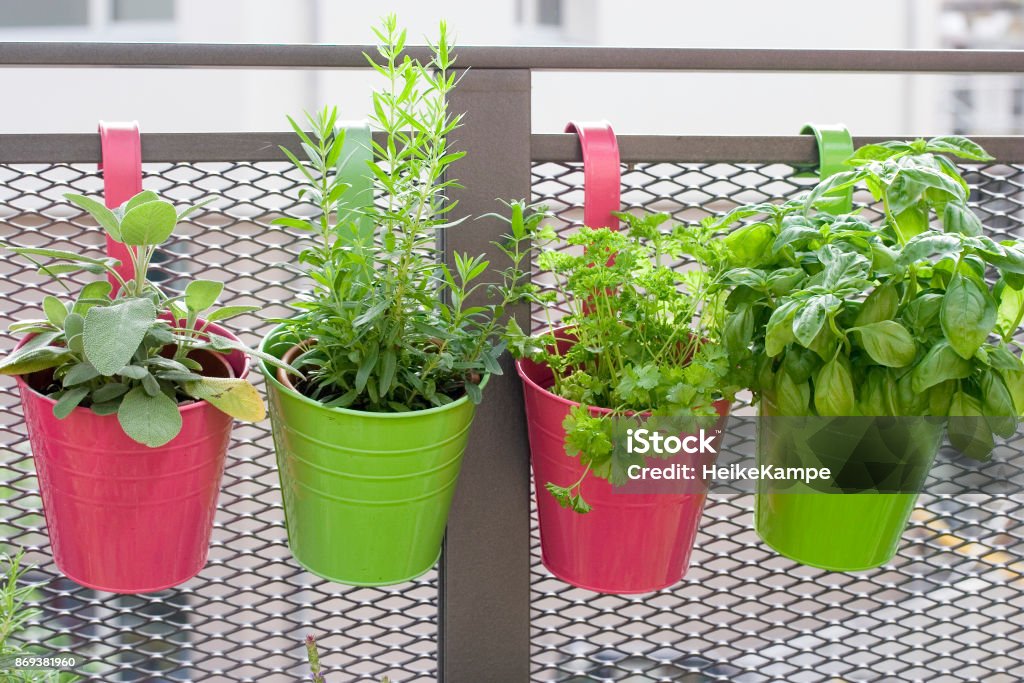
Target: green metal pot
(856, 524)
(366, 495)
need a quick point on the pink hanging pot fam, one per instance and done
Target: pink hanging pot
(123, 517)
(628, 542)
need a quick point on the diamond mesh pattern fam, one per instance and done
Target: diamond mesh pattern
(244, 617)
(947, 608)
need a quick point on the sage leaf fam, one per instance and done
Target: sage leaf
(967, 316)
(91, 295)
(24, 362)
(104, 216)
(74, 326)
(141, 198)
(55, 310)
(148, 224)
(150, 420)
(230, 312)
(202, 294)
(236, 397)
(113, 333)
(79, 373)
(108, 392)
(150, 384)
(68, 401)
(888, 343)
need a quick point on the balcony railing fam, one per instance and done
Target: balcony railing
(948, 608)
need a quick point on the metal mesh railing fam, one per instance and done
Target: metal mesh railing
(244, 617)
(947, 608)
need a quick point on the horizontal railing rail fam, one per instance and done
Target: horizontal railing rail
(262, 56)
(75, 148)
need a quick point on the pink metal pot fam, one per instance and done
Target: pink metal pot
(628, 543)
(123, 517)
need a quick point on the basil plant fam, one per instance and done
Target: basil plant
(910, 313)
(133, 354)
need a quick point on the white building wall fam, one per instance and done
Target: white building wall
(169, 100)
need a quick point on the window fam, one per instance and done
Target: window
(26, 13)
(143, 10)
(549, 12)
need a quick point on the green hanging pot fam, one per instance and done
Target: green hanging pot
(366, 495)
(840, 530)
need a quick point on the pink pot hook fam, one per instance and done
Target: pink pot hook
(602, 177)
(121, 164)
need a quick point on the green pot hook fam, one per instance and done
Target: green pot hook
(835, 146)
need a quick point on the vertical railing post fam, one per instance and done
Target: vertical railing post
(484, 624)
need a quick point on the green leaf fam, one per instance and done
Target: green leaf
(149, 224)
(90, 294)
(957, 217)
(59, 255)
(150, 384)
(1010, 311)
(108, 408)
(132, 372)
(26, 361)
(236, 397)
(79, 373)
(55, 310)
(888, 343)
(113, 333)
(294, 223)
(779, 331)
(941, 363)
(927, 245)
(967, 316)
(880, 305)
(108, 392)
(150, 420)
(967, 428)
(230, 312)
(74, 326)
(748, 246)
(366, 365)
(833, 389)
(475, 394)
(68, 401)
(935, 180)
(959, 146)
(997, 404)
(792, 397)
(202, 294)
(104, 216)
(141, 198)
(811, 318)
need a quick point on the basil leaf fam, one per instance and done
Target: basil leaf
(833, 389)
(967, 316)
(888, 343)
